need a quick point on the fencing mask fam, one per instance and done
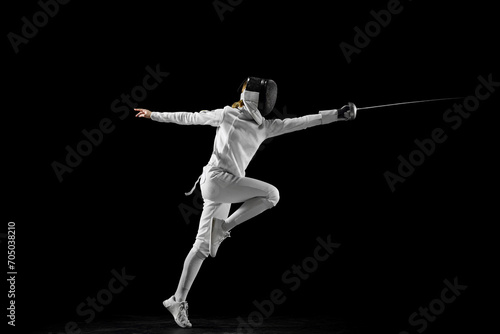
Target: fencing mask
(259, 97)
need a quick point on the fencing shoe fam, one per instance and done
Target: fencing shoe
(217, 235)
(179, 310)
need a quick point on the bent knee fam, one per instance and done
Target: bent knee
(201, 247)
(274, 196)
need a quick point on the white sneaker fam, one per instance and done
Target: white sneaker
(217, 235)
(179, 310)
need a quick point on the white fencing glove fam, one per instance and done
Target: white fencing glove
(333, 115)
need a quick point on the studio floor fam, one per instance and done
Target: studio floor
(208, 325)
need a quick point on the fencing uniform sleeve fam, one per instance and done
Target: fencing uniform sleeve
(205, 117)
(278, 127)
(329, 116)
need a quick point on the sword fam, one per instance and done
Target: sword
(353, 109)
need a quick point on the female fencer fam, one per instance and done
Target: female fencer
(240, 129)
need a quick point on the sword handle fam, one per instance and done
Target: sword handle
(353, 110)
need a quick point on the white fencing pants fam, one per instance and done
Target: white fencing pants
(219, 189)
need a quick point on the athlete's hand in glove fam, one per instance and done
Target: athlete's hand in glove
(329, 116)
(346, 114)
(143, 113)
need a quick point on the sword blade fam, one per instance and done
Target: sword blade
(411, 102)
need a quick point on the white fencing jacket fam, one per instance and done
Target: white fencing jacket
(238, 136)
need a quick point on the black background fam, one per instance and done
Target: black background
(120, 206)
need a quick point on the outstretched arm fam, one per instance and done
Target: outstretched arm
(278, 127)
(205, 117)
